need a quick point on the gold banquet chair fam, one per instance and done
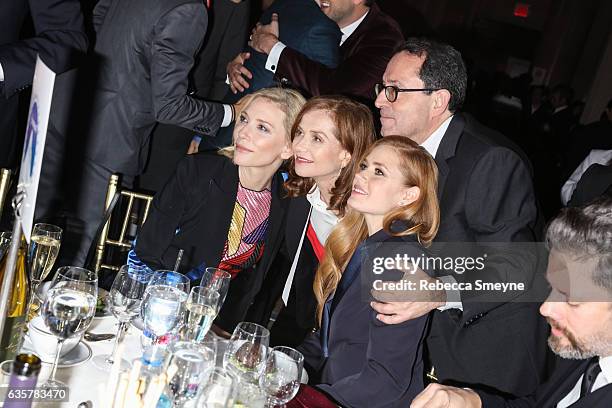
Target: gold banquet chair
(131, 216)
(5, 184)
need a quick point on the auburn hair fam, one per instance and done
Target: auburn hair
(355, 132)
(421, 217)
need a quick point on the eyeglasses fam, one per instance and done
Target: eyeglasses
(392, 91)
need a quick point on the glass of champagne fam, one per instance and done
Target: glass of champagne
(246, 351)
(202, 308)
(125, 297)
(217, 279)
(42, 253)
(281, 377)
(163, 303)
(69, 308)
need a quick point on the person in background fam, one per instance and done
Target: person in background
(360, 361)
(579, 312)
(369, 38)
(59, 37)
(596, 157)
(329, 136)
(227, 212)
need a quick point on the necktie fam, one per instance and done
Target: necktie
(590, 374)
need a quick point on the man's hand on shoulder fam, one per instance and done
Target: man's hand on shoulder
(264, 37)
(442, 396)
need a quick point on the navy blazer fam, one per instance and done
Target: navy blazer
(303, 27)
(370, 364)
(199, 200)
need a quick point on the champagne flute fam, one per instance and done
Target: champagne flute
(246, 352)
(217, 279)
(281, 377)
(202, 308)
(69, 308)
(42, 253)
(125, 296)
(163, 302)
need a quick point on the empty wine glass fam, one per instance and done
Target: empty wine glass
(219, 389)
(217, 279)
(69, 308)
(192, 361)
(163, 302)
(247, 350)
(281, 377)
(202, 308)
(125, 298)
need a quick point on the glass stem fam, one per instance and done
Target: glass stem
(58, 352)
(111, 357)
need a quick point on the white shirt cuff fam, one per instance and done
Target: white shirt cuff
(227, 115)
(453, 297)
(274, 56)
(1, 73)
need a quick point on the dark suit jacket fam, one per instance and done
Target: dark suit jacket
(59, 38)
(370, 364)
(302, 27)
(363, 59)
(595, 182)
(143, 78)
(486, 195)
(298, 318)
(199, 200)
(549, 394)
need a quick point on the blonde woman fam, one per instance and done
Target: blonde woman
(225, 210)
(360, 361)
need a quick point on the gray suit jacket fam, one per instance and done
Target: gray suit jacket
(144, 52)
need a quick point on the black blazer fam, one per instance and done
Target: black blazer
(596, 181)
(370, 364)
(199, 200)
(143, 78)
(549, 394)
(60, 36)
(486, 195)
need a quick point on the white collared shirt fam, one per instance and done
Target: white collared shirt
(277, 49)
(322, 219)
(604, 378)
(1, 73)
(432, 143)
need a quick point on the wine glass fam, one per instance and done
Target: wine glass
(69, 308)
(281, 377)
(217, 279)
(125, 297)
(192, 361)
(202, 308)
(43, 250)
(247, 350)
(163, 302)
(219, 389)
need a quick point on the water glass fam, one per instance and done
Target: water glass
(281, 377)
(163, 302)
(192, 362)
(219, 389)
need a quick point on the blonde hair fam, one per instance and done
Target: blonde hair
(289, 101)
(421, 217)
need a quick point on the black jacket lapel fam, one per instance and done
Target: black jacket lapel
(447, 149)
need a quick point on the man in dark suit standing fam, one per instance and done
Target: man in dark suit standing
(369, 38)
(579, 311)
(144, 51)
(59, 35)
(486, 196)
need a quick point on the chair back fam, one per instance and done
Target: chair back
(130, 209)
(5, 184)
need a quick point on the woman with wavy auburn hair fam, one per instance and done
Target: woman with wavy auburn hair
(362, 362)
(329, 136)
